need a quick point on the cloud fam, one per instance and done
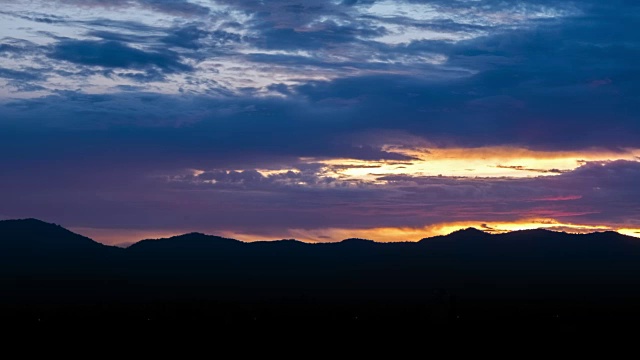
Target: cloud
(318, 36)
(182, 7)
(175, 7)
(19, 75)
(264, 203)
(186, 37)
(11, 47)
(523, 168)
(113, 54)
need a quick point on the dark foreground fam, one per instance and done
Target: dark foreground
(496, 315)
(529, 280)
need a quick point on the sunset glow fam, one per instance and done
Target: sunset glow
(415, 234)
(474, 162)
(319, 120)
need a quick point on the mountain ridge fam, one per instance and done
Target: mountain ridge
(177, 275)
(29, 223)
(36, 232)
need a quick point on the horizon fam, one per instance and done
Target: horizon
(320, 119)
(126, 244)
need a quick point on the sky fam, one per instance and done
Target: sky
(320, 120)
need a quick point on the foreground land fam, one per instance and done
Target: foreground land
(469, 279)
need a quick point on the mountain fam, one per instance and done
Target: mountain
(42, 263)
(33, 236)
(192, 244)
(45, 263)
(35, 245)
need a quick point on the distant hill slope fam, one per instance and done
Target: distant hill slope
(31, 235)
(34, 244)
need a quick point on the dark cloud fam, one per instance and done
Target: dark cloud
(12, 48)
(176, 7)
(13, 44)
(606, 190)
(182, 7)
(135, 27)
(20, 75)
(113, 54)
(24, 80)
(193, 37)
(186, 37)
(122, 37)
(130, 88)
(533, 87)
(36, 17)
(199, 129)
(320, 35)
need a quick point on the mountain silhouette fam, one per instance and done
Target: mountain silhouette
(193, 241)
(43, 263)
(34, 245)
(32, 236)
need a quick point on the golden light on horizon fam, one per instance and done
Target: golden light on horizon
(382, 234)
(629, 232)
(485, 162)
(403, 234)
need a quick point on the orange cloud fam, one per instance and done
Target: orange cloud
(512, 162)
